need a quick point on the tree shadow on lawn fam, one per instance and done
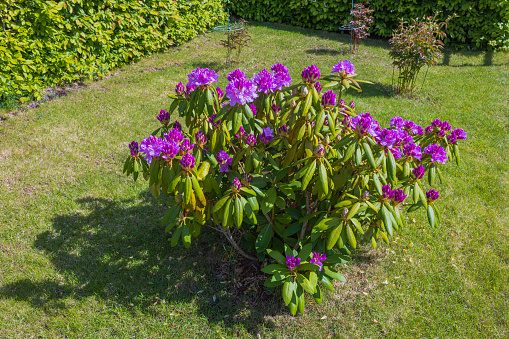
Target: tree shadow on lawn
(118, 251)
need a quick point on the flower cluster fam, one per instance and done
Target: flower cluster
(282, 76)
(265, 81)
(241, 91)
(133, 147)
(396, 196)
(343, 68)
(187, 162)
(437, 153)
(236, 185)
(251, 140)
(432, 195)
(329, 99)
(292, 262)
(266, 135)
(317, 259)
(224, 161)
(311, 74)
(419, 172)
(364, 124)
(180, 89)
(202, 77)
(164, 117)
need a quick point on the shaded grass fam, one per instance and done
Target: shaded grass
(82, 252)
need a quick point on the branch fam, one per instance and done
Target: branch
(230, 239)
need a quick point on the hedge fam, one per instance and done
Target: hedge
(46, 43)
(481, 24)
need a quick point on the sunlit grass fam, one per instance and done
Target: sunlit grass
(82, 252)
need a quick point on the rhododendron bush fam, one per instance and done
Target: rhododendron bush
(290, 174)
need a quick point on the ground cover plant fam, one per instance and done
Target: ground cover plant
(82, 252)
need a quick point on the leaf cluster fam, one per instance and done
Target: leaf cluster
(47, 43)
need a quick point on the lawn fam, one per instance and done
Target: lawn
(83, 253)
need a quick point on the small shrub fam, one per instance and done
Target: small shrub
(361, 21)
(236, 41)
(289, 174)
(413, 45)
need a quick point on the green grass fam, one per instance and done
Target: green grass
(82, 252)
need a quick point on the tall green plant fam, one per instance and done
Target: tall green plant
(289, 173)
(416, 44)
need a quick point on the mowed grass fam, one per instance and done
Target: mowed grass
(83, 254)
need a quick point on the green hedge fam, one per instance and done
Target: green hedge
(45, 43)
(482, 24)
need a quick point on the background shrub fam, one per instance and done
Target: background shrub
(44, 43)
(481, 24)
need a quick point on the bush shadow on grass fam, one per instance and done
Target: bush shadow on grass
(117, 251)
(376, 89)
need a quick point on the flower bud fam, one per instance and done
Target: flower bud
(345, 212)
(178, 199)
(293, 104)
(365, 195)
(304, 91)
(326, 140)
(236, 185)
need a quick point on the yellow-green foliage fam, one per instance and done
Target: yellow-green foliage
(44, 43)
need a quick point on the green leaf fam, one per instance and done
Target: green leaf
(198, 191)
(272, 268)
(369, 154)
(186, 237)
(239, 212)
(431, 216)
(277, 255)
(333, 274)
(289, 288)
(391, 168)
(309, 175)
(351, 236)
(327, 283)
(308, 266)
(188, 190)
(333, 236)
(322, 176)
(176, 236)
(387, 220)
(171, 214)
(220, 203)
(269, 200)
(227, 213)
(264, 238)
(305, 284)
(305, 252)
(353, 210)
(318, 295)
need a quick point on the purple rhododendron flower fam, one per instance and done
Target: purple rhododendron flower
(428, 129)
(212, 118)
(318, 87)
(387, 192)
(169, 149)
(174, 134)
(345, 66)
(236, 74)
(251, 140)
(445, 126)
(151, 147)
(311, 74)
(412, 127)
(180, 89)
(265, 81)
(202, 76)
(437, 153)
(396, 152)
(267, 136)
(283, 130)
(387, 138)
(200, 138)
(164, 117)
(317, 259)
(189, 90)
(397, 122)
(177, 125)
(187, 161)
(186, 146)
(411, 150)
(419, 172)
(241, 91)
(133, 147)
(432, 195)
(399, 197)
(282, 76)
(246, 179)
(436, 123)
(236, 185)
(224, 161)
(292, 262)
(459, 133)
(329, 99)
(253, 109)
(365, 124)
(241, 133)
(220, 93)
(352, 105)
(276, 108)
(403, 137)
